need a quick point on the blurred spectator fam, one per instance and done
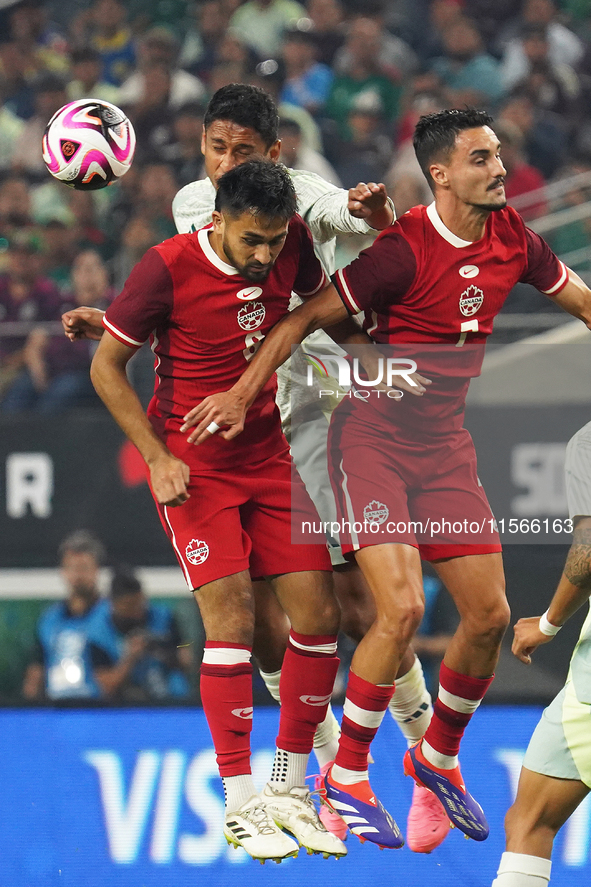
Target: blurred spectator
(60, 667)
(199, 50)
(467, 74)
(366, 155)
(307, 81)
(429, 20)
(364, 73)
(60, 248)
(87, 68)
(158, 49)
(262, 23)
(50, 95)
(554, 87)
(564, 47)
(15, 206)
(157, 187)
(268, 75)
(328, 20)
(56, 376)
(91, 233)
(111, 37)
(11, 126)
(136, 648)
(26, 297)
(572, 241)
(183, 152)
(152, 116)
(296, 155)
(522, 178)
(139, 234)
(545, 137)
(394, 57)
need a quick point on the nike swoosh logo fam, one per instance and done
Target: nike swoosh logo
(316, 700)
(244, 713)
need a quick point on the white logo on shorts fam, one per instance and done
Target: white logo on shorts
(244, 713)
(469, 271)
(471, 300)
(250, 292)
(316, 700)
(376, 512)
(197, 552)
(250, 317)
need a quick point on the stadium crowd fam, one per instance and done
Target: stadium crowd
(350, 78)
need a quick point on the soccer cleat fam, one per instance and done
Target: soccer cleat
(252, 828)
(295, 811)
(365, 816)
(427, 825)
(331, 821)
(462, 809)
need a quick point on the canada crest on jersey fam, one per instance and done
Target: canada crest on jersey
(197, 551)
(375, 512)
(471, 300)
(250, 317)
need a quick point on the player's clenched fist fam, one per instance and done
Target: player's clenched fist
(366, 199)
(527, 637)
(169, 478)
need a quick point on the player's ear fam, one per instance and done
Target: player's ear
(274, 151)
(438, 174)
(203, 140)
(218, 221)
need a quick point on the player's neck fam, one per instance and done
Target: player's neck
(466, 222)
(215, 241)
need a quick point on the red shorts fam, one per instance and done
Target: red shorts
(393, 484)
(241, 520)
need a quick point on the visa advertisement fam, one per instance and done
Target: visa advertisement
(131, 798)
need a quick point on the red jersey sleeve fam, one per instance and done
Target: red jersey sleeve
(379, 276)
(311, 277)
(144, 302)
(544, 270)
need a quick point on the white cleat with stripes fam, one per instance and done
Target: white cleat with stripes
(295, 812)
(252, 828)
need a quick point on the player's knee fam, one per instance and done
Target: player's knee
(401, 621)
(488, 624)
(523, 821)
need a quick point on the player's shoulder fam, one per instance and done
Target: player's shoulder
(507, 221)
(174, 248)
(310, 185)
(191, 194)
(581, 439)
(407, 227)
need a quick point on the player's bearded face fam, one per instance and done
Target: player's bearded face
(476, 170)
(252, 244)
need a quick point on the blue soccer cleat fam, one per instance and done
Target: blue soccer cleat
(364, 815)
(448, 786)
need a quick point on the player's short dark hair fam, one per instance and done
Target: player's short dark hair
(245, 105)
(124, 582)
(435, 134)
(258, 186)
(82, 542)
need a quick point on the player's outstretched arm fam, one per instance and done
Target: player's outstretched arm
(573, 591)
(83, 323)
(228, 408)
(169, 476)
(575, 298)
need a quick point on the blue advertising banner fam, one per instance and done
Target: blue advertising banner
(131, 799)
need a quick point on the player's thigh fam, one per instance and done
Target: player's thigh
(477, 585)
(227, 609)
(542, 802)
(309, 600)
(271, 628)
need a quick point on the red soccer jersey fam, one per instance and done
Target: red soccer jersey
(205, 322)
(420, 284)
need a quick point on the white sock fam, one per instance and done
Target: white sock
(443, 762)
(289, 770)
(326, 738)
(271, 679)
(348, 777)
(238, 790)
(410, 705)
(521, 870)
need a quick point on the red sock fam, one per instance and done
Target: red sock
(365, 705)
(459, 697)
(226, 695)
(308, 673)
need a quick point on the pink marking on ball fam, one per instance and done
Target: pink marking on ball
(53, 165)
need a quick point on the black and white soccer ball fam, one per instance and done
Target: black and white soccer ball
(88, 144)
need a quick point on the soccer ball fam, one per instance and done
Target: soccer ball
(88, 144)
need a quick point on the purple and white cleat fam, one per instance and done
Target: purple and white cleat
(462, 809)
(365, 816)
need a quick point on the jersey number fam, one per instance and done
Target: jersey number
(468, 326)
(253, 343)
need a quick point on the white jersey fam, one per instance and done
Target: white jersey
(324, 209)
